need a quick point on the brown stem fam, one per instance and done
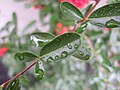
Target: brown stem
(86, 16)
(21, 73)
(90, 11)
(88, 41)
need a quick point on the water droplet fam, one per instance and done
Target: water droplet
(64, 54)
(39, 74)
(76, 46)
(69, 46)
(81, 53)
(86, 57)
(57, 57)
(50, 59)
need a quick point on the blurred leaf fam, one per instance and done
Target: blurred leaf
(14, 16)
(39, 39)
(107, 16)
(71, 11)
(25, 56)
(39, 70)
(29, 25)
(81, 28)
(104, 54)
(13, 85)
(1, 88)
(116, 57)
(24, 80)
(61, 47)
(107, 67)
(91, 33)
(82, 53)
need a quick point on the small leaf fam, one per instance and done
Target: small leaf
(82, 53)
(81, 28)
(61, 47)
(24, 80)
(13, 85)
(25, 56)
(107, 16)
(71, 11)
(39, 70)
(88, 8)
(41, 38)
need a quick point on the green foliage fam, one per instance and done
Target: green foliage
(41, 38)
(13, 85)
(107, 16)
(23, 80)
(71, 11)
(25, 56)
(1, 88)
(64, 46)
(39, 70)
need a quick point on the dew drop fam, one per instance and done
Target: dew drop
(50, 59)
(69, 46)
(64, 54)
(81, 53)
(56, 57)
(87, 57)
(76, 46)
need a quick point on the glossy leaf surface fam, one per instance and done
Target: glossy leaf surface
(13, 85)
(107, 16)
(71, 11)
(25, 56)
(39, 39)
(39, 70)
(61, 47)
(82, 53)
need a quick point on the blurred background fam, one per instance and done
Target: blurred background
(20, 18)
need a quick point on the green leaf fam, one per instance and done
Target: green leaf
(106, 16)
(25, 56)
(88, 8)
(81, 28)
(1, 88)
(13, 85)
(39, 70)
(61, 47)
(82, 53)
(116, 57)
(39, 39)
(24, 80)
(29, 25)
(71, 11)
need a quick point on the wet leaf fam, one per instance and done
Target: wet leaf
(25, 56)
(107, 16)
(71, 11)
(39, 39)
(39, 70)
(24, 80)
(88, 8)
(61, 47)
(82, 53)
(13, 85)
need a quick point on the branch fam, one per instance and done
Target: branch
(21, 73)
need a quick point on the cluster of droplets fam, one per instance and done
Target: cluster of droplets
(63, 54)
